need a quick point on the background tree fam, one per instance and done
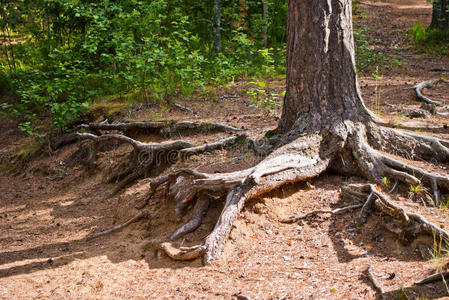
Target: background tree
(440, 15)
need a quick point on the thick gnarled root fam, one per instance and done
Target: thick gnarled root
(299, 160)
(375, 166)
(149, 159)
(382, 203)
(409, 145)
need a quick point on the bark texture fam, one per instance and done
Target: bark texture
(440, 15)
(322, 89)
(217, 26)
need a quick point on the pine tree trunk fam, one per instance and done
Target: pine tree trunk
(322, 87)
(440, 15)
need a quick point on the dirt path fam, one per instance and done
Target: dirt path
(47, 211)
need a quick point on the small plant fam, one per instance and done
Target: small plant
(439, 256)
(430, 40)
(444, 205)
(259, 96)
(417, 188)
(386, 181)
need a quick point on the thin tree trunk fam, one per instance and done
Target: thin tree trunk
(265, 22)
(217, 26)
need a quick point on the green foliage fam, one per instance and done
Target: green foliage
(430, 40)
(61, 55)
(366, 58)
(417, 188)
(260, 97)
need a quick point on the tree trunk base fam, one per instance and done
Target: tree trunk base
(300, 159)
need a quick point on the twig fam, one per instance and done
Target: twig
(376, 284)
(294, 219)
(433, 278)
(142, 214)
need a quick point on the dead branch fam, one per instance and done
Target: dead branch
(375, 283)
(433, 278)
(142, 214)
(294, 219)
(183, 108)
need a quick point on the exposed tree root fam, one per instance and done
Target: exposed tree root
(300, 158)
(377, 286)
(418, 89)
(165, 129)
(154, 184)
(142, 214)
(383, 204)
(181, 253)
(151, 158)
(441, 69)
(289, 163)
(409, 145)
(434, 278)
(294, 219)
(376, 165)
(201, 206)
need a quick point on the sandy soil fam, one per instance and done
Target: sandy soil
(48, 209)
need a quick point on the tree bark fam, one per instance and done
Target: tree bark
(322, 87)
(440, 15)
(217, 26)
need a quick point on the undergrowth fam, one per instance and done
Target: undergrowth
(429, 40)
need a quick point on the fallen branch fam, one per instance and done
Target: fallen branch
(142, 214)
(294, 219)
(433, 278)
(183, 108)
(375, 283)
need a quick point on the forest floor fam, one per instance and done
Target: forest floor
(47, 209)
